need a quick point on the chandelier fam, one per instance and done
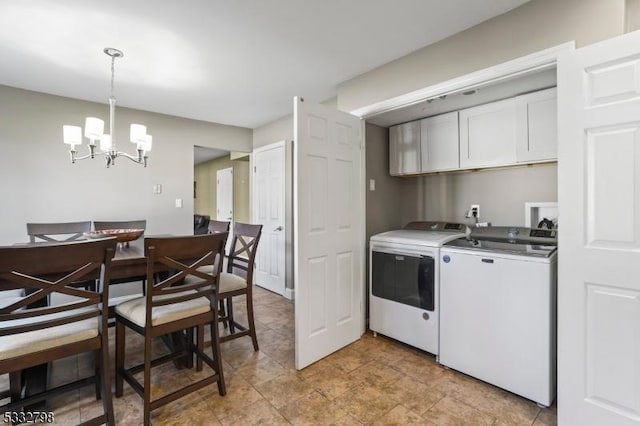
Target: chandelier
(94, 131)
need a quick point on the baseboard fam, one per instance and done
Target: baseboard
(289, 293)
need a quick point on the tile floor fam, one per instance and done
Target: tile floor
(374, 381)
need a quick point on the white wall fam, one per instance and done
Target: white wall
(39, 183)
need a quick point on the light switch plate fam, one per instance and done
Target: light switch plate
(157, 188)
(372, 184)
(178, 203)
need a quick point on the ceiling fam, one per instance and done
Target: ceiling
(204, 154)
(232, 62)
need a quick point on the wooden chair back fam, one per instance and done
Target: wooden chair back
(218, 226)
(52, 269)
(183, 256)
(99, 225)
(53, 232)
(242, 254)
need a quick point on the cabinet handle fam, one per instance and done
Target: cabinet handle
(487, 260)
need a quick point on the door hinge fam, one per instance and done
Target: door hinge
(254, 169)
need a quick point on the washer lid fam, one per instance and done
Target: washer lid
(532, 250)
(416, 237)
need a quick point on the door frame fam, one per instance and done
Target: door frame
(288, 292)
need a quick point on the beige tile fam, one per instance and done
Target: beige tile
(546, 417)
(264, 369)
(412, 394)
(284, 389)
(258, 413)
(449, 411)
(331, 384)
(373, 380)
(365, 403)
(421, 366)
(374, 374)
(314, 409)
(400, 416)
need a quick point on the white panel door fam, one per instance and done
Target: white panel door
(488, 134)
(268, 210)
(329, 230)
(224, 194)
(599, 242)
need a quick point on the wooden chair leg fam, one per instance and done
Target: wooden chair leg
(120, 342)
(232, 326)
(223, 314)
(147, 380)
(215, 352)
(199, 346)
(15, 385)
(251, 324)
(105, 380)
(96, 366)
(189, 347)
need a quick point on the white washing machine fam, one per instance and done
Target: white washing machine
(498, 309)
(404, 282)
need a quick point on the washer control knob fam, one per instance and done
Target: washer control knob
(425, 316)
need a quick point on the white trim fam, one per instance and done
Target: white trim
(289, 293)
(543, 59)
(270, 146)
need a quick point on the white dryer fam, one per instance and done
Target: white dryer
(404, 280)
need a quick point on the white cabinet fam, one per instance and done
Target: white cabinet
(522, 129)
(488, 134)
(539, 140)
(404, 148)
(439, 147)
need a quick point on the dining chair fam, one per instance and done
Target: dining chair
(238, 280)
(52, 232)
(218, 226)
(52, 318)
(59, 232)
(101, 225)
(182, 300)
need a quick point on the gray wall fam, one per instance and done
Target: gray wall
(501, 194)
(39, 183)
(535, 26)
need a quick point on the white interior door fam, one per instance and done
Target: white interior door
(329, 230)
(599, 238)
(224, 194)
(268, 210)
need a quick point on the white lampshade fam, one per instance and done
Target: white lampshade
(93, 128)
(138, 133)
(146, 145)
(105, 143)
(72, 135)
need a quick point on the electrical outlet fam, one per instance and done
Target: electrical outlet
(475, 210)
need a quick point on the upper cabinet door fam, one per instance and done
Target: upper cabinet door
(404, 148)
(538, 124)
(439, 143)
(488, 134)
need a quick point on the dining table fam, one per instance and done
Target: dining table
(129, 261)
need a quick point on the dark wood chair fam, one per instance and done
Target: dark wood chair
(238, 280)
(185, 299)
(52, 232)
(36, 328)
(60, 232)
(101, 225)
(218, 226)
